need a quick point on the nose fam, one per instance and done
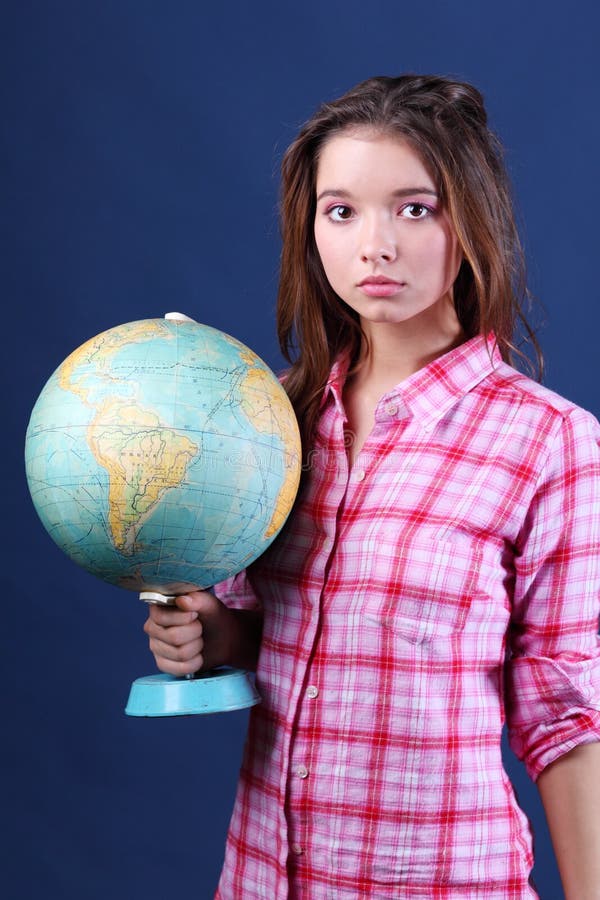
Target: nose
(378, 241)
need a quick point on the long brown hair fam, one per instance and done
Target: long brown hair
(445, 122)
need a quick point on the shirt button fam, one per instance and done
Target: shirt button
(391, 409)
(312, 691)
(302, 772)
(327, 543)
(360, 475)
(297, 849)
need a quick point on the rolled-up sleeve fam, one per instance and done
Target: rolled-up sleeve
(237, 592)
(553, 667)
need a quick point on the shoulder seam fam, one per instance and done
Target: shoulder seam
(533, 391)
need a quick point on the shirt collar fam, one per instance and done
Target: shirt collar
(431, 391)
(335, 383)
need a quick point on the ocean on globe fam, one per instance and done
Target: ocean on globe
(163, 455)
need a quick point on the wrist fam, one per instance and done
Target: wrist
(244, 638)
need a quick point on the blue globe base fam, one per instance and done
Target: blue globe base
(220, 690)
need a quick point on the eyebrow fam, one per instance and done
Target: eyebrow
(401, 192)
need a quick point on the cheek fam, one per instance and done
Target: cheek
(451, 251)
(441, 257)
(455, 258)
(328, 248)
(320, 244)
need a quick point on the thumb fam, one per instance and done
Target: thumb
(201, 602)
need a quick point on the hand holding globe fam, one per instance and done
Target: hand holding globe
(199, 632)
(164, 456)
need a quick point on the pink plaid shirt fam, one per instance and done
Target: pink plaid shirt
(448, 580)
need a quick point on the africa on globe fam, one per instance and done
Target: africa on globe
(163, 455)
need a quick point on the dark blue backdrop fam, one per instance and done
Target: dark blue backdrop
(140, 148)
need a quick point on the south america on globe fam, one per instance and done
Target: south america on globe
(163, 455)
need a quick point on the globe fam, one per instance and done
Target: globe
(163, 455)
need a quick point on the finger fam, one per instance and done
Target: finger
(175, 635)
(171, 667)
(170, 615)
(184, 654)
(199, 601)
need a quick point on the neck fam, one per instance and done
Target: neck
(394, 352)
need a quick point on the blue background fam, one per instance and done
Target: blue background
(140, 149)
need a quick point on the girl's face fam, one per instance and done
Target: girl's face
(387, 247)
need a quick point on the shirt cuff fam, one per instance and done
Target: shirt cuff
(237, 592)
(553, 706)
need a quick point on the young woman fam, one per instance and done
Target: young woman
(440, 571)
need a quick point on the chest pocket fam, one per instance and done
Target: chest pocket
(422, 587)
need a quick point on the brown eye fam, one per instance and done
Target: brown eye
(340, 213)
(415, 211)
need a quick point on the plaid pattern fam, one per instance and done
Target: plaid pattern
(449, 579)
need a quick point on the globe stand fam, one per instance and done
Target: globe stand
(220, 690)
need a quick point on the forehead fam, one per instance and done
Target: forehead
(365, 156)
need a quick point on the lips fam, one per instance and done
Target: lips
(378, 279)
(380, 286)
